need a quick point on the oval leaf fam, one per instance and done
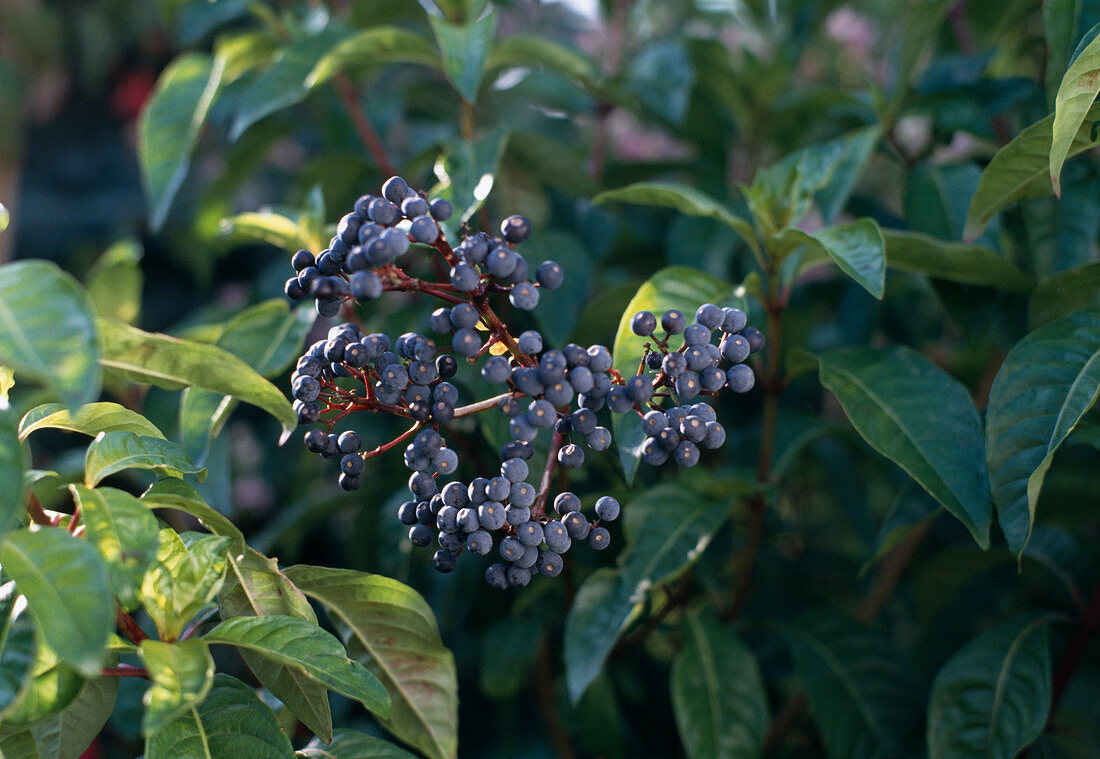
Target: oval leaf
(465, 48)
(181, 673)
(1076, 94)
(886, 395)
(374, 46)
(530, 51)
(857, 249)
(294, 642)
(17, 645)
(270, 227)
(349, 744)
(115, 282)
(1046, 385)
(718, 695)
(91, 419)
(183, 580)
(391, 629)
(1064, 293)
(176, 494)
(12, 486)
(956, 262)
(52, 686)
(66, 586)
(67, 734)
(47, 330)
(113, 452)
(992, 698)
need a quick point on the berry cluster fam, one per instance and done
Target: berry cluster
(560, 391)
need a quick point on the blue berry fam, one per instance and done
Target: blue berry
(733, 320)
(306, 389)
(673, 321)
(444, 560)
(740, 378)
(501, 261)
(558, 393)
(639, 389)
(529, 533)
(464, 277)
(571, 456)
(495, 369)
(550, 275)
(301, 260)
(454, 494)
(464, 315)
(599, 439)
(365, 285)
(516, 515)
(599, 358)
(566, 502)
(524, 296)
(541, 413)
(755, 337)
(643, 323)
(445, 461)
(424, 229)
(734, 348)
(549, 563)
(510, 548)
(395, 189)
(696, 334)
(686, 453)
(441, 209)
(382, 212)
(498, 488)
(467, 519)
(445, 366)
(581, 379)
(453, 541)
(491, 515)
(515, 229)
(607, 508)
(447, 519)
(293, 289)
(583, 421)
(618, 401)
(514, 470)
(466, 342)
(497, 577)
(653, 422)
(715, 437)
(712, 379)
(315, 440)
(517, 449)
(556, 537)
(420, 535)
(521, 429)
(599, 538)
(530, 342)
(352, 464)
(674, 364)
(414, 206)
(687, 385)
(518, 576)
(709, 315)
(522, 494)
(576, 525)
(653, 453)
(479, 542)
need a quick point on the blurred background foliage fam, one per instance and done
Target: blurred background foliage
(704, 92)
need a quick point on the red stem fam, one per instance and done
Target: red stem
(539, 509)
(373, 143)
(129, 627)
(125, 670)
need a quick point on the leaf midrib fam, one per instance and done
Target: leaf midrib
(1002, 675)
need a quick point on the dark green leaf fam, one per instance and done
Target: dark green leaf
(465, 49)
(993, 697)
(857, 248)
(170, 125)
(956, 262)
(374, 46)
(1076, 95)
(91, 419)
(718, 695)
(530, 51)
(509, 650)
(47, 330)
(17, 645)
(66, 586)
(887, 394)
(67, 734)
(229, 724)
(181, 675)
(115, 282)
(113, 452)
(1064, 293)
(466, 173)
(176, 494)
(1045, 386)
(349, 744)
(52, 686)
(12, 463)
(392, 630)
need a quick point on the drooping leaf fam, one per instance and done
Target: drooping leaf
(864, 699)
(374, 46)
(169, 126)
(115, 281)
(673, 287)
(887, 395)
(171, 493)
(1062, 294)
(666, 528)
(183, 580)
(17, 645)
(1045, 386)
(270, 227)
(181, 675)
(48, 331)
(857, 248)
(955, 262)
(392, 630)
(465, 49)
(295, 642)
(718, 695)
(1021, 170)
(992, 698)
(1076, 95)
(349, 744)
(113, 452)
(466, 172)
(12, 464)
(172, 363)
(530, 51)
(68, 592)
(230, 723)
(255, 586)
(91, 419)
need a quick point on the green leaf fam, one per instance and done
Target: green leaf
(864, 699)
(183, 580)
(113, 452)
(181, 675)
(684, 199)
(718, 695)
(1062, 294)
(1021, 170)
(52, 686)
(91, 419)
(176, 494)
(66, 586)
(955, 262)
(17, 645)
(115, 282)
(349, 744)
(67, 734)
(230, 723)
(125, 533)
(270, 227)
(530, 51)
(887, 395)
(1076, 95)
(1046, 385)
(284, 82)
(992, 698)
(465, 49)
(5, 217)
(298, 643)
(672, 287)
(170, 124)
(255, 587)
(666, 528)
(374, 46)
(466, 172)
(12, 463)
(48, 331)
(391, 629)
(857, 248)
(171, 363)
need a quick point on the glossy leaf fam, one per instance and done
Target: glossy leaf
(465, 49)
(67, 734)
(1021, 170)
(887, 395)
(672, 287)
(349, 744)
(66, 586)
(295, 642)
(392, 630)
(48, 331)
(113, 452)
(181, 676)
(857, 249)
(1045, 386)
(718, 695)
(17, 645)
(170, 124)
(171, 493)
(466, 172)
(91, 419)
(686, 200)
(1075, 97)
(666, 528)
(1062, 294)
(955, 262)
(125, 533)
(864, 700)
(255, 587)
(992, 698)
(172, 363)
(529, 51)
(270, 227)
(183, 580)
(12, 466)
(52, 686)
(115, 282)
(374, 46)
(230, 723)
